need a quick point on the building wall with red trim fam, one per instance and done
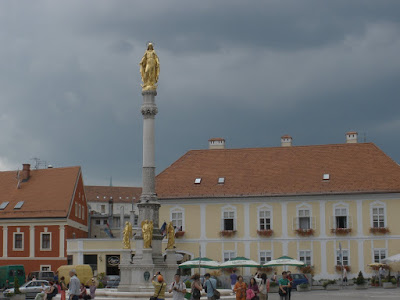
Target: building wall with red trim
(80, 199)
(1, 241)
(55, 241)
(69, 234)
(10, 239)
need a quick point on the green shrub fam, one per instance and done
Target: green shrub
(304, 285)
(273, 283)
(326, 283)
(188, 284)
(394, 281)
(100, 285)
(360, 279)
(16, 286)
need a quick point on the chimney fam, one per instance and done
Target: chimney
(351, 137)
(216, 143)
(286, 141)
(26, 172)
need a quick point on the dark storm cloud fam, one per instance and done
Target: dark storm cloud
(246, 71)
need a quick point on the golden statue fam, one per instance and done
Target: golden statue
(171, 236)
(147, 232)
(127, 235)
(149, 69)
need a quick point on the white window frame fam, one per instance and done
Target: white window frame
(266, 254)
(229, 208)
(175, 210)
(265, 208)
(343, 251)
(48, 267)
(311, 255)
(296, 221)
(41, 240)
(83, 212)
(380, 251)
(345, 206)
(23, 238)
(80, 211)
(101, 208)
(230, 253)
(76, 209)
(378, 204)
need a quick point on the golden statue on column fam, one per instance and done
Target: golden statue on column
(171, 236)
(149, 69)
(147, 233)
(127, 235)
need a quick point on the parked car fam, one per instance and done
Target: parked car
(42, 275)
(30, 289)
(298, 279)
(112, 281)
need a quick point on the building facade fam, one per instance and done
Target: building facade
(39, 211)
(323, 204)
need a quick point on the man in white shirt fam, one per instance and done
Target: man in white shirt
(74, 286)
(177, 288)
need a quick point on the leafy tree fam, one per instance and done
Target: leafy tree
(16, 286)
(360, 279)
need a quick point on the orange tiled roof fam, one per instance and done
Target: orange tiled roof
(353, 168)
(48, 192)
(118, 193)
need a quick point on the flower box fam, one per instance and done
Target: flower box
(266, 269)
(265, 232)
(179, 234)
(227, 233)
(377, 230)
(306, 269)
(339, 268)
(305, 232)
(341, 231)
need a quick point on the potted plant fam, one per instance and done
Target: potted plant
(265, 232)
(303, 287)
(361, 283)
(179, 234)
(339, 268)
(330, 285)
(389, 282)
(266, 270)
(306, 269)
(16, 295)
(379, 230)
(227, 233)
(273, 287)
(305, 232)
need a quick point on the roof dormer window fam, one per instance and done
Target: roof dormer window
(4, 205)
(326, 176)
(197, 181)
(19, 205)
(221, 180)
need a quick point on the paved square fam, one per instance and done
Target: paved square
(344, 294)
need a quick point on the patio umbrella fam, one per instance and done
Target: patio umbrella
(284, 261)
(393, 262)
(200, 262)
(240, 262)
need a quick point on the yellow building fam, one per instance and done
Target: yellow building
(262, 203)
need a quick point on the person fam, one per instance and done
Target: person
(253, 287)
(283, 285)
(6, 285)
(159, 286)
(274, 277)
(381, 275)
(33, 278)
(51, 292)
(233, 278)
(290, 278)
(63, 287)
(210, 285)
(83, 293)
(344, 276)
(41, 295)
(240, 288)
(56, 276)
(74, 283)
(93, 288)
(196, 285)
(263, 285)
(177, 288)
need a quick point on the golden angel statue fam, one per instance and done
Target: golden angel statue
(147, 232)
(127, 235)
(149, 69)
(171, 236)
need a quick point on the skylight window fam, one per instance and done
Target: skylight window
(19, 205)
(221, 180)
(326, 176)
(4, 205)
(197, 180)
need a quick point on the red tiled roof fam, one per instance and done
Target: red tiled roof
(353, 168)
(47, 193)
(118, 193)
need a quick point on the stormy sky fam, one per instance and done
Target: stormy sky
(247, 71)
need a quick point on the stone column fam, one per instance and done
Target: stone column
(32, 241)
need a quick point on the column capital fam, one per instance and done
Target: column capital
(149, 110)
